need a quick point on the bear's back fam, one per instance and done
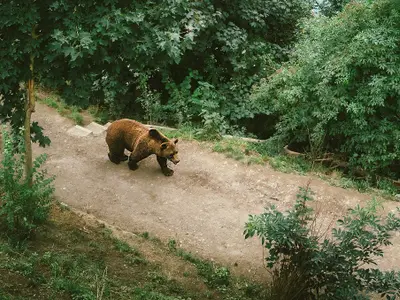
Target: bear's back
(126, 131)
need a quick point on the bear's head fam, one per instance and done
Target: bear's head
(168, 148)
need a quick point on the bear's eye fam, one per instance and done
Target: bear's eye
(171, 156)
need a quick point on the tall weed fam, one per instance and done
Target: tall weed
(22, 206)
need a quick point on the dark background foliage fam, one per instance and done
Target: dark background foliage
(330, 85)
(188, 53)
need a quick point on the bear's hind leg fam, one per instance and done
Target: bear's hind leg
(116, 154)
(162, 161)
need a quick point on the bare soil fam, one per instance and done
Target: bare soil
(204, 206)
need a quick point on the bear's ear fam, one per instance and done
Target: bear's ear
(154, 133)
(176, 141)
(164, 146)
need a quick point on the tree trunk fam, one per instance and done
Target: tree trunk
(29, 109)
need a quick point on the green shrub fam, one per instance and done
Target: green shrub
(22, 206)
(339, 92)
(76, 116)
(214, 276)
(308, 266)
(149, 101)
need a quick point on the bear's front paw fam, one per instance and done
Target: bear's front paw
(167, 171)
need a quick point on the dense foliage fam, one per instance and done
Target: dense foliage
(168, 61)
(340, 91)
(330, 7)
(20, 45)
(23, 205)
(195, 62)
(308, 265)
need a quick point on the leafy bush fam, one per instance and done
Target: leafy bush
(93, 53)
(150, 103)
(330, 7)
(307, 266)
(339, 92)
(214, 126)
(22, 206)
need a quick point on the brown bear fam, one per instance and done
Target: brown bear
(141, 142)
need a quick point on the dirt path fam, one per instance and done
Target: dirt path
(203, 206)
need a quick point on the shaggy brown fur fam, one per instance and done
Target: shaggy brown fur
(141, 142)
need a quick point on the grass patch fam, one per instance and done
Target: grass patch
(254, 153)
(264, 152)
(185, 132)
(72, 112)
(99, 114)
(219, 277)
(69, 259)
(50, 101)
(75, 115)
(145, 235)
(261, 153)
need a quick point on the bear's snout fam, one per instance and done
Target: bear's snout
(175, 160)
